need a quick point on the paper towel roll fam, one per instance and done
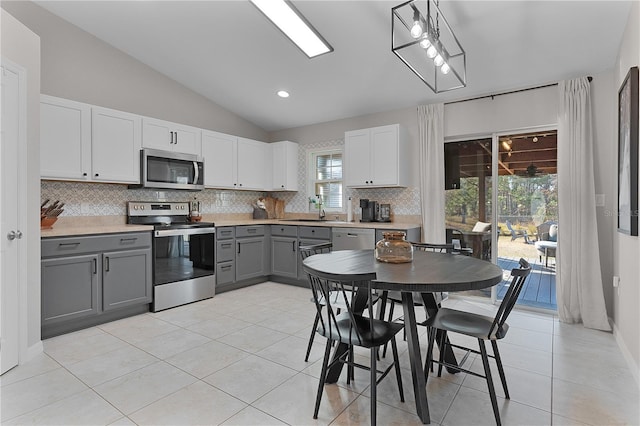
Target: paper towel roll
(349, 210)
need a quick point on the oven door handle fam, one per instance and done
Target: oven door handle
(178, 232)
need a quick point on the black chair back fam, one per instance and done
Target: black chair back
(438, 248)
(331, 294)
(309, 250)
(511, 297)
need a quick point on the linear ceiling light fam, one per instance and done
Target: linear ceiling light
(294, 25)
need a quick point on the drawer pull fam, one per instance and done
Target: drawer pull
(293, 243)
(225, 245)
(225, 267)
(252, 230)
(68, 244)
(124, 240)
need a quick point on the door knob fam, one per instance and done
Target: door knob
(19, 234)
(11, 235)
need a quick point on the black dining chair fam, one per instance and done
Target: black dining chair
(306, 251)
(355, 325)
(482, 328)
(395, 297)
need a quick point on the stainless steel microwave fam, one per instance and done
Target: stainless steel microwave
(171, 170)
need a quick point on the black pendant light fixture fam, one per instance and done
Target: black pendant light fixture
(424, 41)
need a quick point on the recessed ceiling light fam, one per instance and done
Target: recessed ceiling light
(294, 25)
(283, 93)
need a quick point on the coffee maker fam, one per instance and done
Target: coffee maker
(369, 210)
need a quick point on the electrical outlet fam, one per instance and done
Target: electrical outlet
(599, 200)
(616, 281)
(85, 208)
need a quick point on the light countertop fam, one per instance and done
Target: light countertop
(75, 227)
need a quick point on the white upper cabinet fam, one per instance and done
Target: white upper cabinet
(220, 153)
(231, 162)
(168, 136)
(254, 165)
(285, 166)
(376, 157)
(116, 140)
(65, 139)
(81, 142)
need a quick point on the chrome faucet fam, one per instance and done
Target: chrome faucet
(321, 213)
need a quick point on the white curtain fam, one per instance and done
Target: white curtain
(431, 142)
(579, 290)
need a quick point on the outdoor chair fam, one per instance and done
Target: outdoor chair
(547, 243)
(352, 328)
(520, 233)
(480, 327)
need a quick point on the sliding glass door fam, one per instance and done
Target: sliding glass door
(501, 203)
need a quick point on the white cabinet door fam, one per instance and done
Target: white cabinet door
(116, 139)
(376, 157)
(157, 134)
(384, 158)
(187, 140)
(220, 158)
(168, 136)
(65, 139)
(357, 148)
(254, 160)
(285, 166)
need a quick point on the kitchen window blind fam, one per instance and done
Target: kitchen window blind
(328, 178)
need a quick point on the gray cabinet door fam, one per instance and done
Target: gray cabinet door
(126, 278)
(70, 288)
(250, 258)
(284, 257)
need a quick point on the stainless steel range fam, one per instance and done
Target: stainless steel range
(183, 253)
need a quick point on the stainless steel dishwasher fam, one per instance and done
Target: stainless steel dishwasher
(353, 238)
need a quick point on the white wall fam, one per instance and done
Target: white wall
(78, 66)
(22, 47)
(627, 248)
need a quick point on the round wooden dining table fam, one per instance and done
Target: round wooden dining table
(428, 272)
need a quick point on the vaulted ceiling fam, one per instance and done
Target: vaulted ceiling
(228, 51)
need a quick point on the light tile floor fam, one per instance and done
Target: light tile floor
(238, 359)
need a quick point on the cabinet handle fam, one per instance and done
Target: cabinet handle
(227, 245)
(68, 244)
(84, 174)
(226, 267)
(176, 133)
(97, 175)
(124, 240)
(95, 266)
(106, 264)
(293, 245)
(171, 139)
(251, 230)
(238, 248)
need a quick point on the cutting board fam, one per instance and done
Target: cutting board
(279, 209)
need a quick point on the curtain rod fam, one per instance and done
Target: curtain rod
(508, 93)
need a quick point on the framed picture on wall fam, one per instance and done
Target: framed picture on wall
(628, 154)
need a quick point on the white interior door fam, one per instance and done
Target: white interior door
(10, 234)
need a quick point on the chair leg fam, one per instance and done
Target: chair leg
(323, 377)
(503, 378)
(313, 333)
(443, 341)
(487, 373)
(389, 318)
(374, 385)
(350, 368)
(396, 363)
(428, 363)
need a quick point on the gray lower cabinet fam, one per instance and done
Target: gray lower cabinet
(284, 251)
(70, 288)
(125, 278)
(225, 256)
(310, 235)
(92, 279)
(250, 258)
